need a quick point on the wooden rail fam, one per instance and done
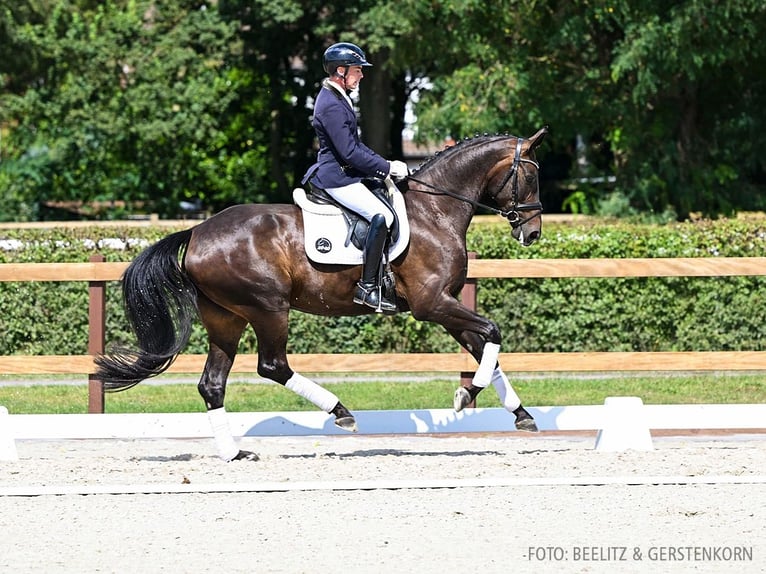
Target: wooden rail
(92, 271)
(98, 273)
(629, 267)
(429, 362)
(477, 268)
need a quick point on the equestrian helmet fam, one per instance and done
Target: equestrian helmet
(343, 54)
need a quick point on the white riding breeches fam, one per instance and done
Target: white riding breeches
(360, 199)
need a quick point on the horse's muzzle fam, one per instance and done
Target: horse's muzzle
(526, 239)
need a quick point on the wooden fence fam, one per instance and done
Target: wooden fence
(97, 272)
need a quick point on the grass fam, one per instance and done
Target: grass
(54, 398)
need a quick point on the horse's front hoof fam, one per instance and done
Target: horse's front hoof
(527, 425)
(524, 421)
(461, 400)
(246, 455)
(346, 423)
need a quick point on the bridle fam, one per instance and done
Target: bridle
(513, 215)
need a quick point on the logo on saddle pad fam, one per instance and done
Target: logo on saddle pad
(326, 233)
(323, 245)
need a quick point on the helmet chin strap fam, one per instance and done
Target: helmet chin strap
(343, 76)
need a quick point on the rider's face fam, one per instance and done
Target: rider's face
(353, 77)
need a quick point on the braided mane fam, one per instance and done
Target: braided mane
(461, 145)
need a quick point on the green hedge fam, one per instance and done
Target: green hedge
(633, 314)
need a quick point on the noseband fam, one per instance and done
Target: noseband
(513, 215)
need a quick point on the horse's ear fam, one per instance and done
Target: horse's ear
(538, 138)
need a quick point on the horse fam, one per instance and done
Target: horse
(247, 265)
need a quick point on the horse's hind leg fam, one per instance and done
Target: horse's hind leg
(224, 331)
(475, 344)
(271, 331)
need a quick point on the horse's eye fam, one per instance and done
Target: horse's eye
(529, 178)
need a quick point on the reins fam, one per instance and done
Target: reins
(512, 215)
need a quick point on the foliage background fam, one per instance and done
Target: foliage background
(535, 315)
(654, 107)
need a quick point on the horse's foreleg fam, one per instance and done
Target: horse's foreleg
(489, 371)
(505, 391)
(486, 354)
(512, 402)
(272, 364)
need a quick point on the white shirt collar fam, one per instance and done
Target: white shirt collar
(327, 83)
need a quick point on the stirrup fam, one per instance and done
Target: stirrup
(371, 295)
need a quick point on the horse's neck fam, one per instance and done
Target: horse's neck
(468, 181)
(430, 209)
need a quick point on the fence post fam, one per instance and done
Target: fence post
(468, 298)
(96, 336)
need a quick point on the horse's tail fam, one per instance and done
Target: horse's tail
(160, 305)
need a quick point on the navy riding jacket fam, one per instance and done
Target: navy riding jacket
(342, 159)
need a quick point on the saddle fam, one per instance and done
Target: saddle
(334, 234)
(357, 225)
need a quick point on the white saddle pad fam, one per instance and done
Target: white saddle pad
(325, 231)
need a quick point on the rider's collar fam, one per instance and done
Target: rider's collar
(329, 84)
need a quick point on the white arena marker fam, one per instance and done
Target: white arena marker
(624, 426)
(7, 441)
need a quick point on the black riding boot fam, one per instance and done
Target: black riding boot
(368, 289)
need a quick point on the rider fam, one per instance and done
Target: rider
(343, 160)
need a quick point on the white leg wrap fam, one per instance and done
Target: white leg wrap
(227, 448)
(508, 396)
(310, 391)
(483, 374)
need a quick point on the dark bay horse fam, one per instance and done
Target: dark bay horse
(247, 266)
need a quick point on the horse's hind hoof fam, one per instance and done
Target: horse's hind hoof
(346, 423)
(246, 455)
(461, 400)
(526, 424)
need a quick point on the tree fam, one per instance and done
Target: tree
(695, 101)
(127, 105)
(202, 99)
(669, 96)
(161, 102)
(283, 42)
